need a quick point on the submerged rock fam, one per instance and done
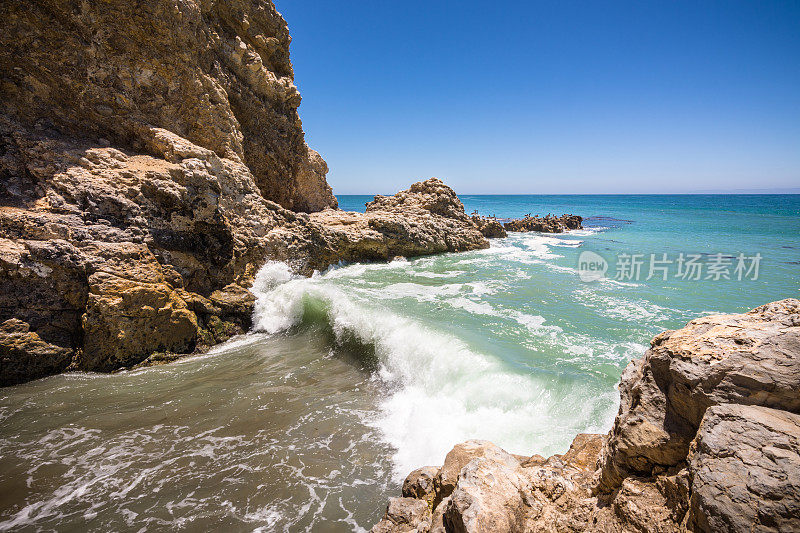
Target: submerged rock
(707, 439)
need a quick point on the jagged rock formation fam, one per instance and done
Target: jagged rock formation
(546, 224)
(151, 160)
(707, 439)
(114, 256)
(215, 72)
(427, 218)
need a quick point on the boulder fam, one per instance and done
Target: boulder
(421, 484)
(461, 455)
(745, 470)
(404, 515)
(488, 496)
(750, 359)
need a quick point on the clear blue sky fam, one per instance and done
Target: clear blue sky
(550, 97)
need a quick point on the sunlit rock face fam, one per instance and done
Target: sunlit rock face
(111, 258)
(216, 73)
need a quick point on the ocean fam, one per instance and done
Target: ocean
(357, 375)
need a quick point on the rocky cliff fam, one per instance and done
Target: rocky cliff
(115, 257)
(707, 439)
(214, 72)
(151, 160)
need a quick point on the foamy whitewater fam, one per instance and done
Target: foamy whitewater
(443, 388)
(353, 377)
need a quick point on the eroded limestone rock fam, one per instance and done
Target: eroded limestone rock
(425, 219)
(24, 355)
(404, 515)
(216, 73)
(421, 484)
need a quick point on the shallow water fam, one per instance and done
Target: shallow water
(268, 434)
(356, 376)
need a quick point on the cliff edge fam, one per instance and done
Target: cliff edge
(707, 439)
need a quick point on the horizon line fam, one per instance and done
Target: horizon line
(709, 193)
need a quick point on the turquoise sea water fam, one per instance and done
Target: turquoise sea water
(553, 344)
(357, 375)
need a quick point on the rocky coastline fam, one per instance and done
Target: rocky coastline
(707, 439)
(151, 160)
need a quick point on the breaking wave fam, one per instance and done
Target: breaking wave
(439, 389)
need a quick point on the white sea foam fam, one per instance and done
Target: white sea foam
(586, 232)
(441, 391)
(419, 292)
(426, 274)
(534, 323)
(477, 308)
(630, 310)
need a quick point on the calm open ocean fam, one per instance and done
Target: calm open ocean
(354, 377)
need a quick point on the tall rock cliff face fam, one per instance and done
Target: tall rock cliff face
(151, 160)
(216, 73)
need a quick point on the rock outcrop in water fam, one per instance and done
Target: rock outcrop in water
(151, 160)
(545, 224)
(707, 439)
(489, 227)
(425, 219)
